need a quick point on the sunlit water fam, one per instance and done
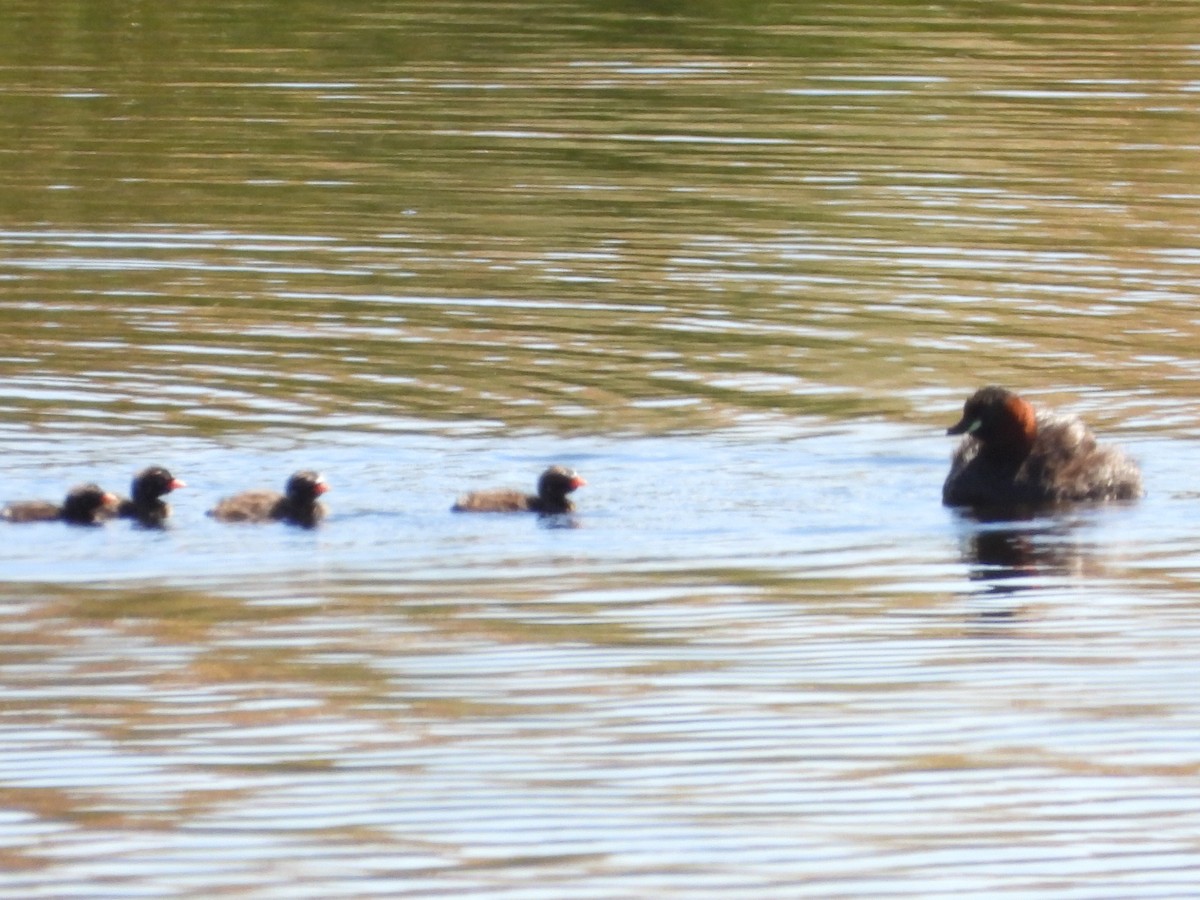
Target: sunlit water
(739, 272)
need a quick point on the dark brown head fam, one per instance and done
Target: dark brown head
(84, 503)
(150, 484)
(556, 482)
(1002, 422)
(304, 487)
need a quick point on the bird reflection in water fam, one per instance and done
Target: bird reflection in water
(1016, 550)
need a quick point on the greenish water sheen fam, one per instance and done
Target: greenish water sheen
(739, 264)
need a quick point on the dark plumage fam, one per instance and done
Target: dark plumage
(551, 497)
(1012, 455)
(297, 505)
(85, 504)
(145, 504)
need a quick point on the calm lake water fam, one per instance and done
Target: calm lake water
(740, 265)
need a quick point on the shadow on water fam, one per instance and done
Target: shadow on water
(1021, 548)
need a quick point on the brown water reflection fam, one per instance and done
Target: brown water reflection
(652, 234)
(737, 264)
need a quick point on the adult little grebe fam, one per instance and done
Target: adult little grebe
(297, 505)
(1013, 456)
(554, 485)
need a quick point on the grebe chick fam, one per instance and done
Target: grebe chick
(298, 504)
(145, 504)
(551, 497)
(85, 504)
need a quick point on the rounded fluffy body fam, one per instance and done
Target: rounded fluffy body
(145, 504)
(298, 504)
(1012, 455)
(85, 504)
(551, 497)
